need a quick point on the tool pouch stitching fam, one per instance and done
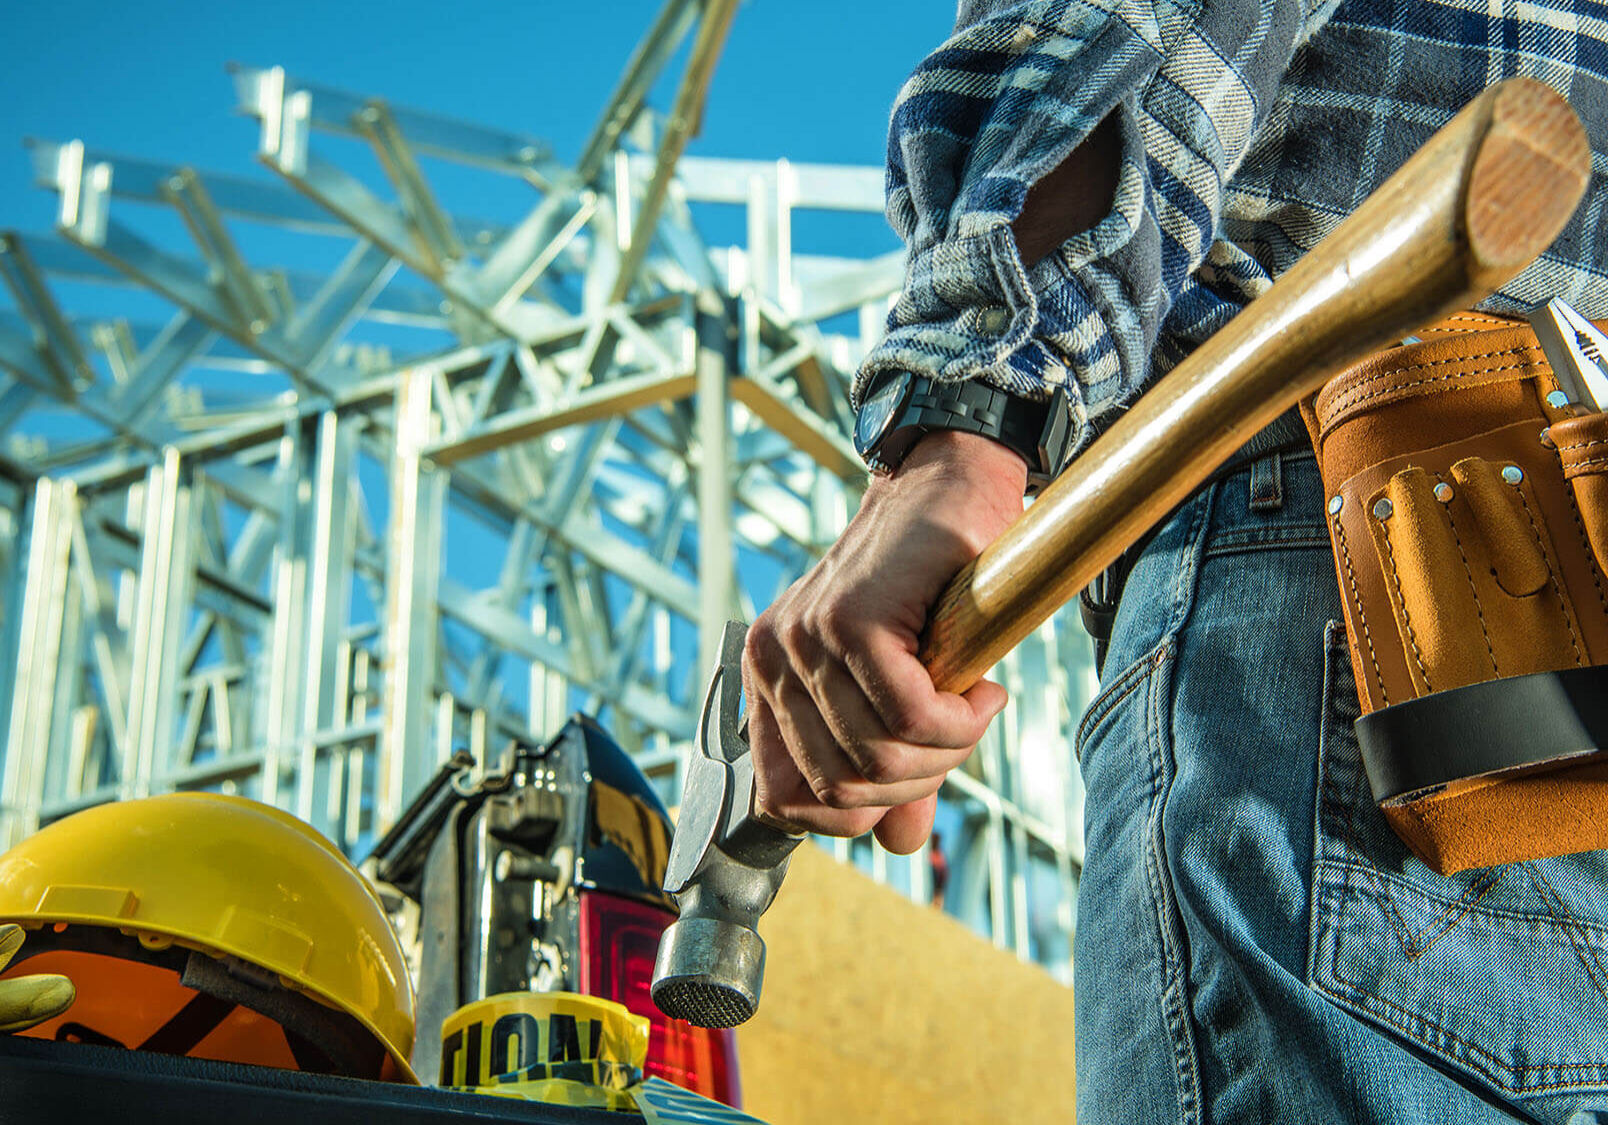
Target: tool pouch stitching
(1404, 619)
(1468, 572)
(1544, 542)
(1489, 376)
(1354, 600)
(1585, 543)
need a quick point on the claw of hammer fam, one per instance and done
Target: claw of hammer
(725, 866)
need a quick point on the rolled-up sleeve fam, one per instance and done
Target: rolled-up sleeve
(1015, 90)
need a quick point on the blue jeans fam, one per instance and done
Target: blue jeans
(1254, 944)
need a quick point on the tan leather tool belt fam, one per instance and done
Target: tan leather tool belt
(1469, 520)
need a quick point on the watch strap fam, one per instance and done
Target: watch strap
(1038, 431)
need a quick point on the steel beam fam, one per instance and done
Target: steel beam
(257, 595)
(806, 430)
(162, 604)
(618, 396)
(716, 564)
(647, 63)
(683, 122)
(33, 643)
(413, 559)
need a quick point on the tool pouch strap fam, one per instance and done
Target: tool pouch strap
(1469, 521)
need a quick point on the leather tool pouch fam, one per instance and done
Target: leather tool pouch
(1469, 520)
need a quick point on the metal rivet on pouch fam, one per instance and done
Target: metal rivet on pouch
(1382, 508)
(1557, 400)
(1546, 438)
(1512, 474)
(1443, 492)
(1336, 502)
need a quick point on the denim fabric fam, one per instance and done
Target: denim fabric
(1254, 944)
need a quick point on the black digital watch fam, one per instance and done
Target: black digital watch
(900, 408)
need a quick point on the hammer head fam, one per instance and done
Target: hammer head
(709, 972)
(725, 867)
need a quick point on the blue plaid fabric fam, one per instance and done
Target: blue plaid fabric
(1249, 128)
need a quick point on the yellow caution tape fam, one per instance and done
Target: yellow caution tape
(568, 1049)
(524, 1037)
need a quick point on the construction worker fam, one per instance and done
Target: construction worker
(1088, 192)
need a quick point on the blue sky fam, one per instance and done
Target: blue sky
(810, 80)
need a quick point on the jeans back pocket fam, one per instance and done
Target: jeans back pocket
(1499, 973)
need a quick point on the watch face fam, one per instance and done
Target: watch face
(877, 411)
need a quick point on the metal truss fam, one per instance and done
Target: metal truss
(375, 479)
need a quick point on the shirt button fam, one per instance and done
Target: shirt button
(994, 320)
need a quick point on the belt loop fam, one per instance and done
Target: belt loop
(1267, 483)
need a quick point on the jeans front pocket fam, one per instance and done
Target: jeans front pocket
(1499, 975)
(1130, 1001)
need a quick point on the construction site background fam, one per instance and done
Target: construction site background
(340, 431)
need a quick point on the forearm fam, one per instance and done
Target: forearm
(1057, 172)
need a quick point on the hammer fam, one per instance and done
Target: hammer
(1476, 204)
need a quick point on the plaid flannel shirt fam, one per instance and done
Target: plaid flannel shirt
(1249, 129)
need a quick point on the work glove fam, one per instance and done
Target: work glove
(30, 1000)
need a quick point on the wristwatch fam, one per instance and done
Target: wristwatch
(900, 408)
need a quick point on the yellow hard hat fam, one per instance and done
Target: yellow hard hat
(270, 900)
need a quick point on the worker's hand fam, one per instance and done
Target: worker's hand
(847, 732)
(25, 1001)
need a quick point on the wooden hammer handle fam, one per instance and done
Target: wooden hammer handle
(1477, 203)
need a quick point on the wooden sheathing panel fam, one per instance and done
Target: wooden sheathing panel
(878, 1010)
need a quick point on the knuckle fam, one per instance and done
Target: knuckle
(881, 767)
(762, 798)
(837, 624)
(907, 724)
(759, 648)
(834, 794)
(795, 636)
(778, 814)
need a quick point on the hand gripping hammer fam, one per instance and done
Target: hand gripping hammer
(725, 866)
(1475, 205)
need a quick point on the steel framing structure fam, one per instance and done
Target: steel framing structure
(332, 518)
